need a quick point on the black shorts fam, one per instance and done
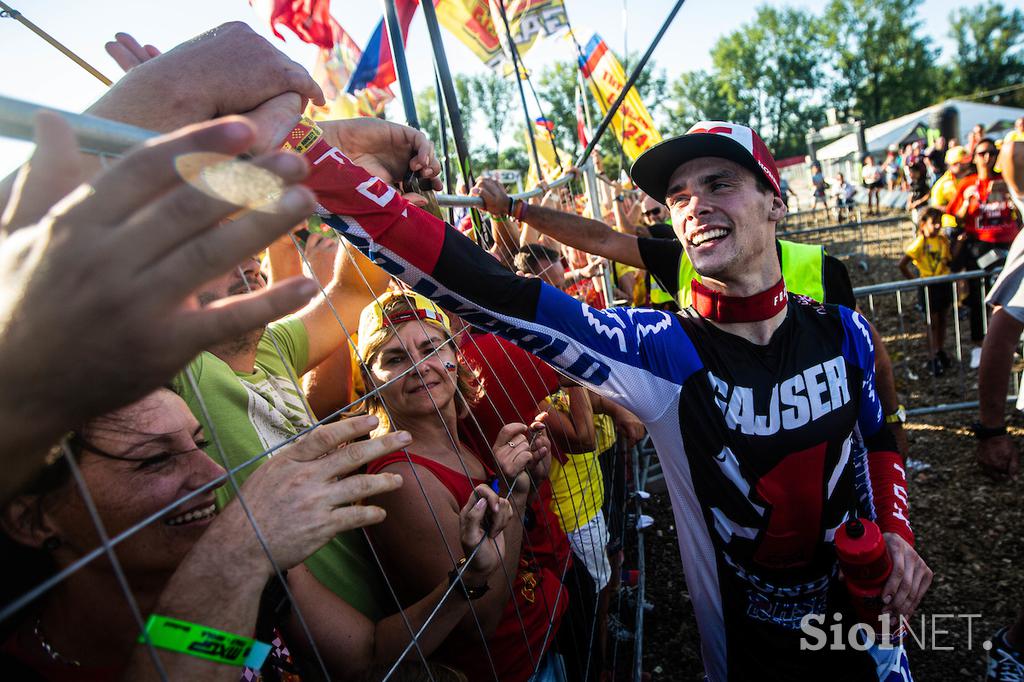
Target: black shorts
(940, 296)
(877, 184)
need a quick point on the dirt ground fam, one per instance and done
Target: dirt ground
(969, 529)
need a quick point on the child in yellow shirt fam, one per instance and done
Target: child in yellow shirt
(930, 254)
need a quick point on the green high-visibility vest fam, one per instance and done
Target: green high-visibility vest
(803, 269)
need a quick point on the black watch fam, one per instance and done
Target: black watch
(982, 432)
(470, 593)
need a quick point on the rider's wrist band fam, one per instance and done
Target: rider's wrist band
(203, 642)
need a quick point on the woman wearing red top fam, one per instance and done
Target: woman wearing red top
(407, 349)
(990, 220)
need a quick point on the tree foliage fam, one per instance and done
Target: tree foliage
(991, 52)
(883, 66)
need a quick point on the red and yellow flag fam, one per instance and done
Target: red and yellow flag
(478, 24)
(632, 123)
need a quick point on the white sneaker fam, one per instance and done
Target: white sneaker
(975, 357)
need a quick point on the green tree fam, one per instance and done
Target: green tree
(493, 95)
(881, 66)
(766, 73)
(990, 39)
(556, 87)
(695, 96)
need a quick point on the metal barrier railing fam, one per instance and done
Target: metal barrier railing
(910, 340)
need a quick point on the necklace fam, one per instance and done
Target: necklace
(54, 655)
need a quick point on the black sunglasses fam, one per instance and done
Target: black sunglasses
(653, 212)
(986, 152)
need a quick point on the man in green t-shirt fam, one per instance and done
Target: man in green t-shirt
(246, 394)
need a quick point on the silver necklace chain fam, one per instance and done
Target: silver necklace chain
(54, 655)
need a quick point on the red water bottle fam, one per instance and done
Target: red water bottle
(866, 566)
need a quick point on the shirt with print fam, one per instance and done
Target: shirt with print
(991, 216)
(930, 255)
(253, 412)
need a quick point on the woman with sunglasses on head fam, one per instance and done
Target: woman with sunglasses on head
(410, 357)
(193, 563)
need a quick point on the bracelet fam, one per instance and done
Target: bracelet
(469, 593)
(203, 642)
(982, 432)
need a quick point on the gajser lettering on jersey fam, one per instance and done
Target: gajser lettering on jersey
(800, 399)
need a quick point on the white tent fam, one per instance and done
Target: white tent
(895, 131)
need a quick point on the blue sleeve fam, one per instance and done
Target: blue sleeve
(859, 351)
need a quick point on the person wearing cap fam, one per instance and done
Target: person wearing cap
(762, 405)
(408, 354)
(944, 188)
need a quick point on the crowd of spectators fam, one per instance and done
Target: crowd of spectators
(286, 444)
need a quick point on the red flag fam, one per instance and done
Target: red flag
(310, 20)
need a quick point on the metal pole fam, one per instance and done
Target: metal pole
(448, 89)
(522, 93)
(446, 162)
(629, 83)
(401, 67)
(9, 11)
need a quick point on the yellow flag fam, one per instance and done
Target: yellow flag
(478, 24)
(553, 161)
(632, 123)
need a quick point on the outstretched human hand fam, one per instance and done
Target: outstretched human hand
(96, 280)
(310, 491)
(227, 70)
(387, 150)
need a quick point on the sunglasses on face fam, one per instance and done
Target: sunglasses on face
(656, 211)
(985, 152)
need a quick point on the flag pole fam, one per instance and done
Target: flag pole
(522, 93)
(451, 102)
(630, 82)
(8, 11)
(448, 90)
(442, 126)
(401, 67)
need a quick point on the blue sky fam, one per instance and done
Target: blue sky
(38, 73)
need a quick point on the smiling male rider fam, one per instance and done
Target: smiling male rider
(756, 400)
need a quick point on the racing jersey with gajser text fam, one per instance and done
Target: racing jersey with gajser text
(760, 445)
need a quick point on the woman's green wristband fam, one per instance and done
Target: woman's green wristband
(203, 642)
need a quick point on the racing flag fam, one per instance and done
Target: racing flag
(478, 24)
(310, 20)
(632, 123)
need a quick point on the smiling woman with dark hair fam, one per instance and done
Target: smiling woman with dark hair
(193, 563)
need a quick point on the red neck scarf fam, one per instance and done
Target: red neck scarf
(719, 307)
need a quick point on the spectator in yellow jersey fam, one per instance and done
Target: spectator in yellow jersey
(930, 254)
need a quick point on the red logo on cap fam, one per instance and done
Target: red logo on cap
(718, 130)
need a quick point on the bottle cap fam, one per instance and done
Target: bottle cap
(861, 551)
